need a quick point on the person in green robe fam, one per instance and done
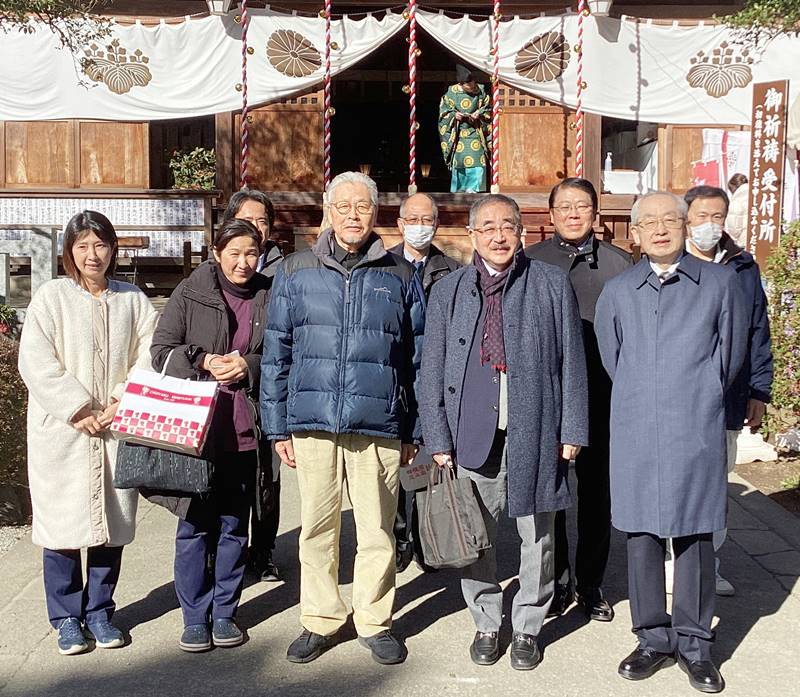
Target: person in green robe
(465, 115)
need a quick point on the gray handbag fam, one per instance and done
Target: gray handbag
(451, 527)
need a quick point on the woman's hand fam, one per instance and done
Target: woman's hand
(106, 416)
(86, 421)
(228, 370)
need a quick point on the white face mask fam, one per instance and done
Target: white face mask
(418, 236)
(706, 236)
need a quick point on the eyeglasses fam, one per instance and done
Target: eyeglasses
(425, 220)
(580, 208)
(669, 221)
(362, 207)
(491, 230)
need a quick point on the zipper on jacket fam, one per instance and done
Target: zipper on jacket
(343, 351)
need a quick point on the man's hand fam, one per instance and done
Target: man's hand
(285, 450)
(86, 421)
(408, 452)
(569, 452)
(443, 459)
(226, 370)
(106, 416)
(755, 413)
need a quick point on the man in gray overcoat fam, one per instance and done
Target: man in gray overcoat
(503, 397)
(672, 333)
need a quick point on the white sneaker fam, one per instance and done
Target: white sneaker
(724, 586)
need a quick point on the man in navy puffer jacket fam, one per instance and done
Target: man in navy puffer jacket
(341, 354)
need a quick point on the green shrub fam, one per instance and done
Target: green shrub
(13, 405)
(195, 169)
(783, 288)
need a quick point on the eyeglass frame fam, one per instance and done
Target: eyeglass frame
(367, 207)
(579, 207)
(422, 220)
(651, 225)
(510, 228)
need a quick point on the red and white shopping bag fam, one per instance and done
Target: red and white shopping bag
(165, 412)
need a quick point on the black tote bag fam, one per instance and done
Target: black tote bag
(145, 466)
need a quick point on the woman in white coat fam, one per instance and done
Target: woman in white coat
(81, 337)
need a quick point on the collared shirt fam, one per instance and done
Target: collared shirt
(664, 274)
(410, 258)
(492, 271)
(718, 253)
(345, 258)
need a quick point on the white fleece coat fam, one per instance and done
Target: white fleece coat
(76, 350)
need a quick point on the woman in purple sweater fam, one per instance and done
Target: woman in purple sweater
(213, 327)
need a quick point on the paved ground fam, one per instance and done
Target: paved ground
(756, 645)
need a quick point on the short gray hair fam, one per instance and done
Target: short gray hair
(683, 208)
(419, 193)
(494, 198)
(354, 178)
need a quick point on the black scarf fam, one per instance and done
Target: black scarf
(493, 349)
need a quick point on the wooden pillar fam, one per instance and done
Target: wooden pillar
(224, 144)
(592, 145)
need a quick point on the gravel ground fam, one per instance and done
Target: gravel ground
(9, 534)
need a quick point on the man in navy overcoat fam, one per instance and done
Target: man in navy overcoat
(672, 335)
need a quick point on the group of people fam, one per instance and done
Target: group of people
(344, 359)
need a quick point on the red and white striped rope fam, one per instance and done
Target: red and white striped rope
(326, 99)
(582, 13)
(412, 97)
(496, 98)
(244, 131)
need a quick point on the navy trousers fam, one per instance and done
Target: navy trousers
(215, 523)
(65, 591)
(594, 520)
(688, 630)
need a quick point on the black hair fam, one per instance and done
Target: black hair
(236, 228)
(705, 192)
(574, 183)
(78, 226)
(238, 199)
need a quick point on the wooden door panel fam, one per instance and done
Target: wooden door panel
(39, 153)
(114, 154)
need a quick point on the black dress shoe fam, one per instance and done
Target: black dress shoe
(525, 654)
(309, 646)
(643, 663)
(595, 605)
(562, 599)
(703, 675)
(485, 648)
(403, 555)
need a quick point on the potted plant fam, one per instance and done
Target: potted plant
(193, 169)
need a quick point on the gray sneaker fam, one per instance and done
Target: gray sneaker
(386, 647)
(106, 635)
(70, 637)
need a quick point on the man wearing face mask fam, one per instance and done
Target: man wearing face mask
(418, 221)
(746, 400)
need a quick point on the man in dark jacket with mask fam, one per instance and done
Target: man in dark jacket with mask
(746, 400)
(418, 222)
(342, 349)
(590, 263)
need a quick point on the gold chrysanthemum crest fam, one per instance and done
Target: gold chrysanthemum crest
(292, 54)
(543, 58)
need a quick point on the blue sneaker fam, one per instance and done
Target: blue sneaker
(106, 635)
(195, 638)
(226, 634)
(70, 637)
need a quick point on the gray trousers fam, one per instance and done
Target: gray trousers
(479, 585)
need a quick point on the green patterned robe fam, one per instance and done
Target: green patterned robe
(471, 147)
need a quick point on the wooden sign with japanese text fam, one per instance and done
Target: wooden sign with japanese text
(770, 101)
